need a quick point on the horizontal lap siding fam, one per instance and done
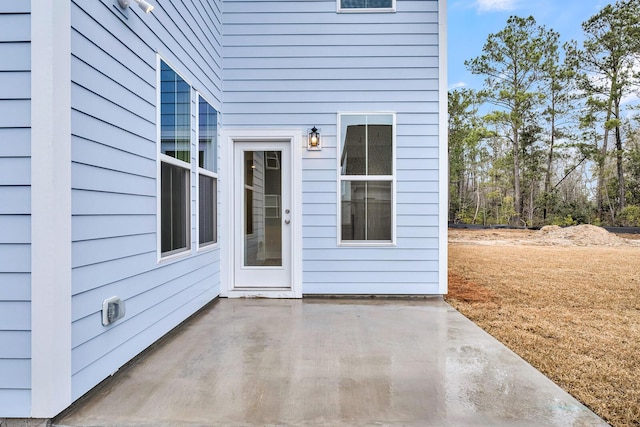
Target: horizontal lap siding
(299, 63)
(15, 209)
(114, 176)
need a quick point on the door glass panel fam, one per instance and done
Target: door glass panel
(262, 209)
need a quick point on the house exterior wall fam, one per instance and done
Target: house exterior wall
(114, 172)
(298, 64)
(79, 165)
(15, 208)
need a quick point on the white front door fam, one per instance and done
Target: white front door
(262, 215)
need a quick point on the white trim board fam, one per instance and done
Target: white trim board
(227, 141)
(50, 207)
(443, 152)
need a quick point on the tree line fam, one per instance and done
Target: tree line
(550, 138)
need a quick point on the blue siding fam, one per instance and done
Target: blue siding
(20, 54)
(114, 176)
(15, 384)
(15, 229)
(15, 403)
(15, 209)
(15, 141)
(15, 287)
(15, 373)
(15, 27)
(281, 71)
(16, 345)
(15, 113)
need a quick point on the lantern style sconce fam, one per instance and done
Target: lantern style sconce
(146, 7)
(313, 143)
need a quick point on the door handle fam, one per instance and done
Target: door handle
(287, 221)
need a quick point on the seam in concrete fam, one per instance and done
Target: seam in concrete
(430, 297)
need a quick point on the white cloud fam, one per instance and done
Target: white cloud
(631, 98)
(495, 5)
(457, 85)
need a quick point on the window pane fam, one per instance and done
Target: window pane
(207, 136)
(366, 210)
(263, 223)
(207, 188)
(354, 145)
(378, 210)
(367, 145)
(364, 4)
(174, 208)
(379, 145)
(175, 114)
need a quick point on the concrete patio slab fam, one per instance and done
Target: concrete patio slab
(317, 362)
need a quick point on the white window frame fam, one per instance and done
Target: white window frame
(207, 245)
(391, 9)
(163, 158)
(162, 256)
(213, 174)
(391, 178)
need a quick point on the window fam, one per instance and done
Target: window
(175, 159)
(367, 177)
(174, 211)
(367, 5)
(207, 173)
(188, 147)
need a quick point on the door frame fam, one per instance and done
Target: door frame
(228, 220)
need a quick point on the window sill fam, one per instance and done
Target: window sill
(208, 247)
(367, 10)
(365, 244)
(164, 259)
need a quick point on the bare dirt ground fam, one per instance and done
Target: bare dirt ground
(552, 235)
(566, 300)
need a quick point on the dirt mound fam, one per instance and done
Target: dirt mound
(580, 235)
(550, 235)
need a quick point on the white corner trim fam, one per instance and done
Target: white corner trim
(443, 152)
(50, 207)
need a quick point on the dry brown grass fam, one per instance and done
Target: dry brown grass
(573, 312)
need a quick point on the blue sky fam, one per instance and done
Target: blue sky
(471, 21)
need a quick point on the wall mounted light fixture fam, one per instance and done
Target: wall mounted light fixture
(313, 143)
(146, 7)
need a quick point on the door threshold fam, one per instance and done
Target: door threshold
(248, 292)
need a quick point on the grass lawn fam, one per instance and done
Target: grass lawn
(573, 312)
